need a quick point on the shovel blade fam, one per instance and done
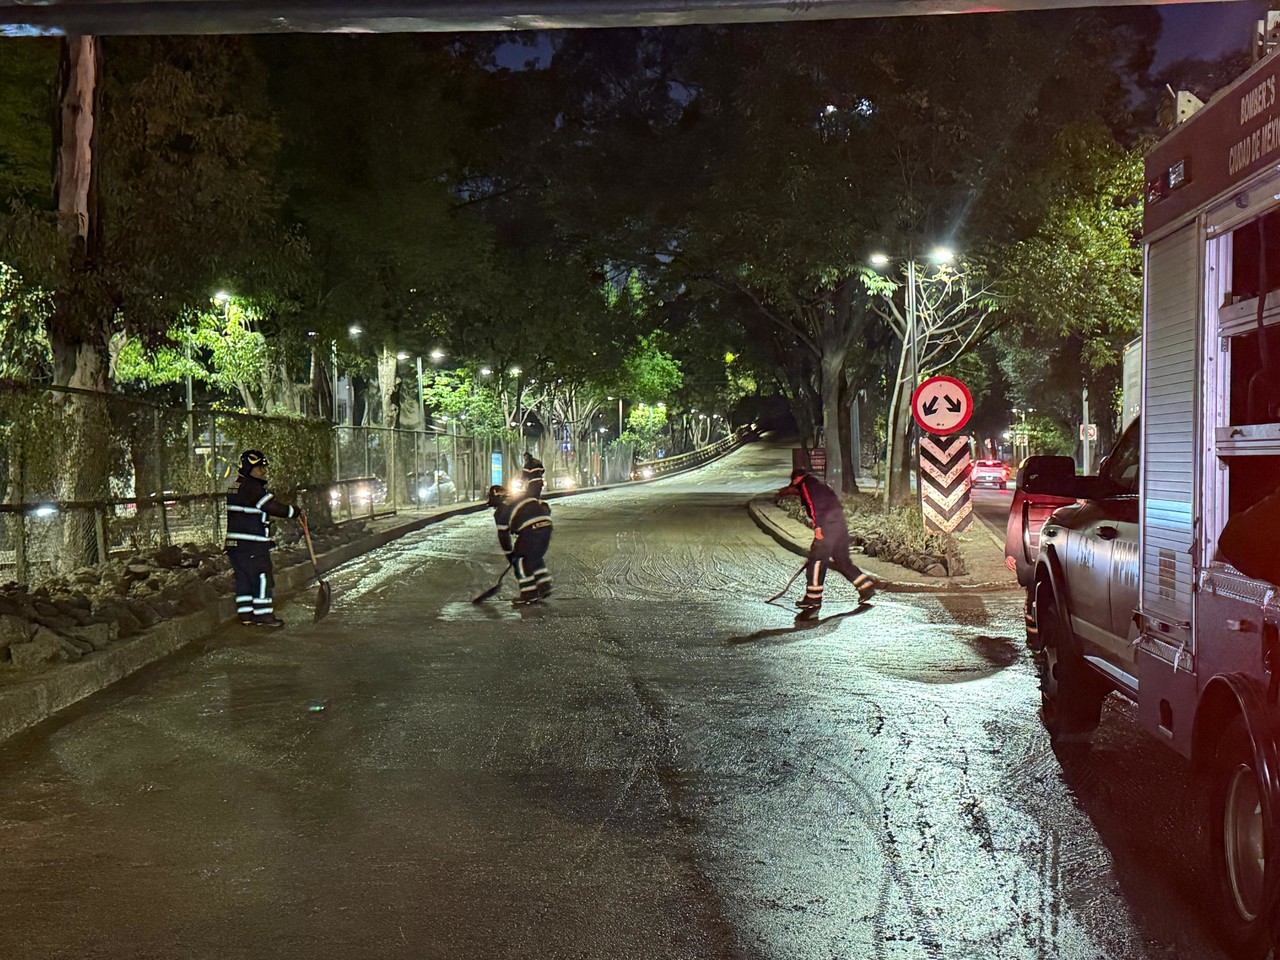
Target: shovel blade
(324, 594)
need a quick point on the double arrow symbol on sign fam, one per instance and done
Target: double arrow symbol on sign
(930, 408)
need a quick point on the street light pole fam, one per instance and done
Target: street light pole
(519, 375)
(422, 400)
(913, 430)
(911, 321)
(333, 376)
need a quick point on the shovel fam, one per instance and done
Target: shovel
(494, 589)
(324, 592)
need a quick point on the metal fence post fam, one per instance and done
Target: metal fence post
(20, 518)
(418, 472)
(100, 531)
(159, 447)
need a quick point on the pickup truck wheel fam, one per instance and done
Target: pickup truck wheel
(1237, 830)
(1070, 695)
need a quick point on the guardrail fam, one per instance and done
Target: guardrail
(648, 469)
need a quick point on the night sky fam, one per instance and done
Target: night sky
(1190, 30)
(1207, 29)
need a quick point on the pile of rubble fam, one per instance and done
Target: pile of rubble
(65, 618)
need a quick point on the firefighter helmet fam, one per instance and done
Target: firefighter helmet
(497, 494)
(252, 458)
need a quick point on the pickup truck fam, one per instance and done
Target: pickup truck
(1080, 569)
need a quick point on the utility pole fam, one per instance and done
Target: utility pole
(1084, 431)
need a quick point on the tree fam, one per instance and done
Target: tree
(950, 308)
(168, 196)
(1074, 289)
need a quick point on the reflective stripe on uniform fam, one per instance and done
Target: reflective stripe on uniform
(239, 509)
(264, 500)
(248, 536)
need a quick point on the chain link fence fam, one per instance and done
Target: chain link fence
(87, 476)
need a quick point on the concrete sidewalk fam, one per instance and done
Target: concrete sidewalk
(983, 556)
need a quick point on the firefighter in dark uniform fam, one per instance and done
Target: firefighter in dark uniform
(830, 546)
(531, 475)
(524, 533)
(249, 543)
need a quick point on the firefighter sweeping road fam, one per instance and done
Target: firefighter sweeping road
(652, 764)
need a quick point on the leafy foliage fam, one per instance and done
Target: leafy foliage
(462, 397)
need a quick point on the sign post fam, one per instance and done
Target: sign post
(941, 407)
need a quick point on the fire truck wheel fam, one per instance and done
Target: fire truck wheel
(1070, 695)
(1237, 832)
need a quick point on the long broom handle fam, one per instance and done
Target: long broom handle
(789, 583)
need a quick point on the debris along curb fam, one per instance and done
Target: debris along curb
(796, 537)
(26, 701)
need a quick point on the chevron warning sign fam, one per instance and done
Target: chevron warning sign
(944, 483)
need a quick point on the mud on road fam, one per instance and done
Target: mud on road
(656, 765)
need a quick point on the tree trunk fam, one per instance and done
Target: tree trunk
(897, 485)
(900, 468)
(250, 405)
(389, 389)
(832, 375)
(846, 440)
(321, 402)
(78, 330)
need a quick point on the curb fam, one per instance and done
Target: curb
(755, 508)
(24, 703)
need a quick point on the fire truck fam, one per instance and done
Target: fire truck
(1127, 588)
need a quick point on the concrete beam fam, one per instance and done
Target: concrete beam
(123, 17)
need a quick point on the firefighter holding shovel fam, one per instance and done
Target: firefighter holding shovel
(250, 505)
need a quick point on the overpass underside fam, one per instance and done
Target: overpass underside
(108, 17)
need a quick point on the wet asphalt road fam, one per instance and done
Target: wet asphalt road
(658, 765)
(992, 508)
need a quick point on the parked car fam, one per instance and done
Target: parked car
(990, 473)
(434, 488)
